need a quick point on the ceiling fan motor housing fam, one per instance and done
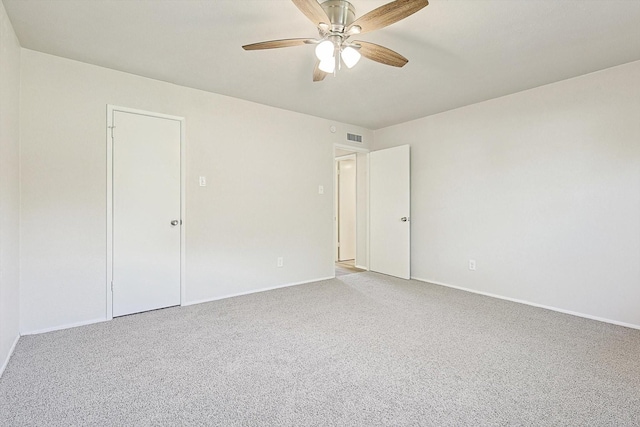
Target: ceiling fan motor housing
(340, 12)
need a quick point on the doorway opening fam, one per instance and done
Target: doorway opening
(350, 210)
(346, 208)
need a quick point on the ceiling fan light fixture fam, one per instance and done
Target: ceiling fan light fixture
(350, 56)
(324, 50)
(327, 65)
(354, 29)
(336, 22)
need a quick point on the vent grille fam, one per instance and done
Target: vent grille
(354, 138)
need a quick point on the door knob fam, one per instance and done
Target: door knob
(404, 219)
(174, 222)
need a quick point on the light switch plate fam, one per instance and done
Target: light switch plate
(320, 189)
(203, 181)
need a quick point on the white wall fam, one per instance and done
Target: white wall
(541, 188)
(9, 187)
(263, 167)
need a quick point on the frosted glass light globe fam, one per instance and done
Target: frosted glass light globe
(350, 56)
(328, 65)
(324, 50)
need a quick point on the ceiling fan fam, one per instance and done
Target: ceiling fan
(336, 23)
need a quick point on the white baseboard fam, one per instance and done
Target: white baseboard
(66, 326)
(6, 361)
(256, 291)
(362, 267)
(90, 322)
(519, 301)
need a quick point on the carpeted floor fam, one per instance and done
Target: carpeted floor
(360, 350)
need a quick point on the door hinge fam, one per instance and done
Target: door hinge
(112, 128)
(112, 286)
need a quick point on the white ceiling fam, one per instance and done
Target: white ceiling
(460, 51)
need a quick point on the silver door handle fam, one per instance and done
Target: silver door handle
(404, 219)
(175, 222)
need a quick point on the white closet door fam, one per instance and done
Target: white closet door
(146, 213)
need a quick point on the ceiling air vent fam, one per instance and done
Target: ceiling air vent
(354, 138)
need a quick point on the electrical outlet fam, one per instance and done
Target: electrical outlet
(472, 264)
(280, 262)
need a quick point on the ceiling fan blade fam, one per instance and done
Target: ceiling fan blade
(381, 54)
(273, 44)
(388, 14)
(318, 74)
(313, 11)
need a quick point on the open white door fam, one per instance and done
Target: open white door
(146, 212)
(389, 208)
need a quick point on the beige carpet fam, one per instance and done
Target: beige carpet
(360, 350)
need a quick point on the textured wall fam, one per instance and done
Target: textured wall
(9, 186)
(541, 188)
(263, 167)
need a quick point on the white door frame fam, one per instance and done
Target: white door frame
(109, 264)
(353, 149)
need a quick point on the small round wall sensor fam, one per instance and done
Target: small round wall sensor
(332, 129)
